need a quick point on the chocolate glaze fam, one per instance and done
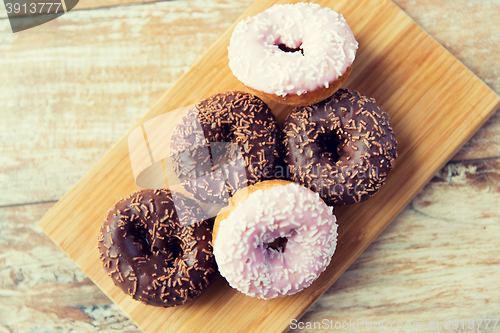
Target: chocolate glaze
(156, 246)
(343, 147)
(225, 143)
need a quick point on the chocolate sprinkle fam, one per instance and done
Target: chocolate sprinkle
(225, 143)
(343, 147)
(142, 254)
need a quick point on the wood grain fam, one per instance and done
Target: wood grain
(437, 260)
(454, 24)
(403, 88)
(41, 289)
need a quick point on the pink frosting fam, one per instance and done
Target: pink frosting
(290, 211)
(327, 43)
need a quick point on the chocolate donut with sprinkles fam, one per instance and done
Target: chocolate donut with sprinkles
(156, 246)
(225, 143)
(343, 147)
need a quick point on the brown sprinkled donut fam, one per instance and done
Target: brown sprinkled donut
(342, 147)
(226, 142)
(156, 246)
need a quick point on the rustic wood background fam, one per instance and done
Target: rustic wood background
(69, 89)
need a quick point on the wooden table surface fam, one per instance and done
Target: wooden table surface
(71, 88)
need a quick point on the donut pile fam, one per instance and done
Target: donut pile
(277, 232)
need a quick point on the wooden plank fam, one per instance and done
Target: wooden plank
(435, 253)
(436, 261)
(484, 144)
(446, 21)
(450, 22)
(41, 289)
(94, 4)
(435, 104)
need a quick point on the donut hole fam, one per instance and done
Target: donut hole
(330, 146)
(279, 244)
(285, 48)
(137, 237)
(176, 249)
(172, 249)
(223, 153)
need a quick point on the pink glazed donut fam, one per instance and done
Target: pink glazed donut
(274, 239)
(296, 54)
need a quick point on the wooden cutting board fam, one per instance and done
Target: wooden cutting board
(435, 105)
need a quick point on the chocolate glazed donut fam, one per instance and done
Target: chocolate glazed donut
(342, 147)
(156, 246)
(225, 143)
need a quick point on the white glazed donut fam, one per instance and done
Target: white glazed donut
(290, 51)
(271, 210)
